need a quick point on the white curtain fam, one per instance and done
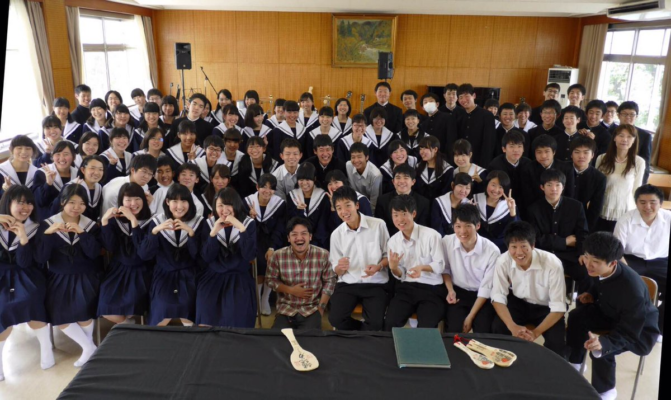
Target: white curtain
(591, 58)
(151, 50)
(34, 67)
(146, 54)
(666, 94)
(76, 57)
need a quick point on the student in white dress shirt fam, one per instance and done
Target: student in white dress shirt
(522, 114)
(358, 256)
(416, 260)
(188, 175)
(290, 153)
(142, 169)
(363, 175)
(644, 233)
(538, 290)
(470, 260)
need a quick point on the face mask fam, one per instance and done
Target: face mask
(430, 107)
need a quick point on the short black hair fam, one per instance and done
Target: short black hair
(383, 84)
(628, 105)
(255, 140)
(465, 88)
(82, 88)
(291, 105)
(430, 96)
(345, 193)
(506, 106)
(552, 174)
(163, 161)
(213, 140)
(18, 193)
(23, 141)
(343, 100)
(85, 138)
(403, 202)
(69, 191)
(280, 103)
(359, 147)
(231, 109)
(544, 140)
(132, 189)
(198, 96)
(52, 121)
(405, 169)
(358, 118)
(172, 101)
(522, 107)
(86, 160)
(122, 109)
(597, 104)
(611, 103)
(577, 86)
(649, 189)
(327, 111)
(583, 141)
(450, 87)
(513, 136)
(307, 96)
(178, 191)
(553, 105)
(395, 145)
(119, 132)
(462, 147)
(290, 143)
(266, 178)
(151, 108)
(115, 93)
(336, 175)
(62, 145)
(136, 92)
(233, 135)
(554, 85)
(154, 92)
(491, 103)
(189, 167)
(144, 161)
(411, 112)
(409, 92)
(306, 171)
(293, 222)
(252, 94)
(467, 213)
(604, 246)
(322, 141)
(573, 110)
(462, 178)
(186, 126)
(378, 112)
(519, 231)
(504, 179)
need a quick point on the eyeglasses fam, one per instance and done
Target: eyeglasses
(627, 114)
(214, 149)
(159, 139)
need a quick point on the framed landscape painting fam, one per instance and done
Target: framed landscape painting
(357, 39)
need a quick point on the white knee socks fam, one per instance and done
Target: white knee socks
(46, 352)
(2, 374)
(265, 297)
(76, 333)
(88, 330)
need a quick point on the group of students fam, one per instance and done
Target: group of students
(477, 214)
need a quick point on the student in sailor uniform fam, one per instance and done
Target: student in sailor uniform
(173, 239)
(169, 111)
(165, 174)
(325, 127)
(124, 291)
(221, 177)
(137, 110)
(290, 153)
(19, 170)
(70, 246)
(290, 128)
(202, 129)
(117, 159)
(252, 165)
(307, 116)
(274, 121)
(98, 119)
(224, 98)
(416, 259)
(89, 145)
(23, 286)
(522, 113)
(51, 134)
(113, 99)
(379, 136)
(443, 207)
(152, 143)
(268, 211)
(463, 152)
(142, 170)
(251, 97)
(121, 119)
(497, 209)
(231, 121)
(434, 172)
(50, 179)
(311, 202)
(154, 96)
(226, 295)
(214, 146)
(358, 135)
(185, 148)
(470, 260)
(335, 180)
(342, 122)
(92, 170)
(254, 125)
(231, 155)
(151, 120)
(188, 176)
(82, 111)
(207, 114)
(323, 159)
(72, 130)
(399, 153)
(411, 133)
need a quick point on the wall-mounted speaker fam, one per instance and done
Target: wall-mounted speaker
(385, 65)
(183, 55)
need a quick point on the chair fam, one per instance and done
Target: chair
(258, 300)
(358, 311)
(653, 292)
(570, 300)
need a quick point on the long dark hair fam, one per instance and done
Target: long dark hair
(607, 165)
(18, 193)
(395, 145)
(252, 111)
(69, 191)
(224, 172)
(151, 133)
(230, 197)
(179, 192)
(431, 142)
(85, 138)
(132, 189)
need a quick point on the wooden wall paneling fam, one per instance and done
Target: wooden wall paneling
(474, 76)
(299, 38)
(223, 76)
(173, 27)
(418, 78)
(264, 78)
(555, 41)
(538, 82)
(400, 57)
(514, 42)
(370, 80)
(295, 79)
(213, 40)
(338, 81)
(325, 39)
(256, 37)
(55, 23)
(425, 40)
(470, 41)
(514, 83)
(63, 86)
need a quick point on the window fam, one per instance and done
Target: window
(113, 58)
(633, 69)
(20, 97)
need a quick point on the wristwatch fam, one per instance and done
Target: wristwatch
(322, 306)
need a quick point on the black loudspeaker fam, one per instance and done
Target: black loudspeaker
(385, 65)
(183, 55)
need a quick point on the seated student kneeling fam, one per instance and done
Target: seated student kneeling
(538, 290)
(359, 258)
(416, 260)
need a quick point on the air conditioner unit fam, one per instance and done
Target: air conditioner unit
(642, 10)
(565, 77)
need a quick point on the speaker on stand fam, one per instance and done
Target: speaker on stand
(182, 62)
(385, 65)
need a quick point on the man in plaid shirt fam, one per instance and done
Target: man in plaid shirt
(302, 277)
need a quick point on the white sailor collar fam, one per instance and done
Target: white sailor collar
(273, 205)
(58, 181)
(69, 128)
(445, 204)
(334, 133)
(430, 179)
(387, 136)
(500, 211)
(235, 233)
(348, 125)
(84, 222)
(126, 226)
(169, 235)
(314, 117)
(97, 193)
(31, 229)
(249, 131)
(176, 153)
(472, 170)
(7, 169)
(127, 159)
(317, 195)
(300, 130)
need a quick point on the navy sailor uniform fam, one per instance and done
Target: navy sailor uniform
(441, 214)
(317, 211)
(494, 220)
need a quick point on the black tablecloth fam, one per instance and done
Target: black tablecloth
(136, 362)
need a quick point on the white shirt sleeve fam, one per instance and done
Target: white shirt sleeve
(557, 290)
(487, 282)
(437, 263)
(501, 285)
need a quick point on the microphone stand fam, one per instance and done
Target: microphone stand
(208, 80)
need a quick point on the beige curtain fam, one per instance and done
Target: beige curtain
(591, 57)
(666, 94)
(76, 56)
(41, 53)
(151, 50)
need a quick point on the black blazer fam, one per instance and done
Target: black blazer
(501, 164)
(441, 125)
(321, 172)
(553, 226)
(394, 120)
(531, 183)
(589, 188)
(383, 211)
(478, 128)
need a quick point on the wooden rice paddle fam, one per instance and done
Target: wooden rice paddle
(478, 359)
(500, 357)
(301, 359)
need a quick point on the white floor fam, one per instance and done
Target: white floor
(25, 380)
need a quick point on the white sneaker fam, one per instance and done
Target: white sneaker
(659, 339)
(609, 395)
(265, 309)
(412, 322)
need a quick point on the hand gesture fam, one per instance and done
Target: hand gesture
(58, 226)
(48, 146)
(593, 343)
(571, 241)
(112, 157)
(586, 298)
(49, 174)
(414, 272)
(6, 221)
(394, 259)
(510, 202)
(183, 226)
(452, 297)
(523, 333)
(269, 254)
(371, 269)
(231, 220)
(329, 193)
(301, 206)
(111, 213)
(342, 267)
(468, 324)
(167, 224)
(299, 291)
(587, 132)
(74, 228)
(477, 178)
(219, 224)
(252, 210)
(7, 184)
(126, 212)
(19, 230)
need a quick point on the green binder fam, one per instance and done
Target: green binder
(420, 348)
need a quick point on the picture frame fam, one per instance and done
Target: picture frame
(358, 38)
